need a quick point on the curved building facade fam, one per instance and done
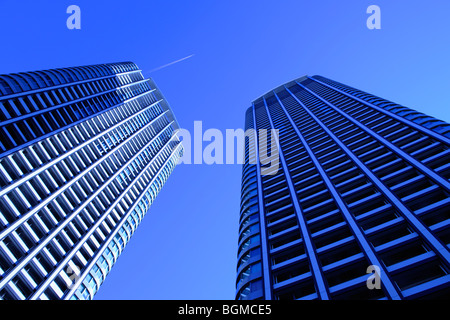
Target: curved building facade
(84, 151)
(359, 208)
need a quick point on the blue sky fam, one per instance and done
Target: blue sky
(186, 246)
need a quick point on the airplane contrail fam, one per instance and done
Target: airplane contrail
(169, 64)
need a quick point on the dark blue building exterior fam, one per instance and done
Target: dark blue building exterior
(363, 185)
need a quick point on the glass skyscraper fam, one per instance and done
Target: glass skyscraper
(363, 185)
(84, 151)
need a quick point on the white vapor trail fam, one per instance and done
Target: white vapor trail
(169, 64)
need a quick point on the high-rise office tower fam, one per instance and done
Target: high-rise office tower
(359, 207)
(84, 151)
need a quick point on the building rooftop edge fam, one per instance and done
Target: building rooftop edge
(277, 88)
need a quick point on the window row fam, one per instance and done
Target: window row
(17, 166)
(29, 128)
(26, 81)
(91, 241)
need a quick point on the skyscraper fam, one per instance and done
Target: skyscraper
(360, 206)
(84, 151)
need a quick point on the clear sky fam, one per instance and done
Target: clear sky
(186, 246)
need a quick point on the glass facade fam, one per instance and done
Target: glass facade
(362, 182)
(84, 151)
